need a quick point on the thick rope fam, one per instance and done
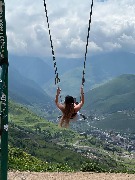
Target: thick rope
(83, 76)
(57, 79)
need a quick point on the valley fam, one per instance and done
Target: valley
(101, 142)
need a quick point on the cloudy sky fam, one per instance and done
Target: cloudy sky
(112, 28)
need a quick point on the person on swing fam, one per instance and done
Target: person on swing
(69, 109)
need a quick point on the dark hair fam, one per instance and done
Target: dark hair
(69, 99)
(68, 111)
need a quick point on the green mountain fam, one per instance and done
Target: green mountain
(111, 106)
(115, 95)
(32, 68)
(99, 69)
(26, 91)
(69, 83)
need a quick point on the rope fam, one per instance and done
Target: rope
(83, 76)
(57, 79)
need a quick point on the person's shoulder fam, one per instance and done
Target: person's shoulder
(78, 107)
(60, 106)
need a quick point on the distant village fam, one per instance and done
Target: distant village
(111, 139)
(113, 142)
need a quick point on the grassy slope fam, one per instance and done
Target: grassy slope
(50, 157)
(118, 94)
(35, 135)
(25, 118)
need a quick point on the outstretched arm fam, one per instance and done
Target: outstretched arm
(78, 107)
(59, 105)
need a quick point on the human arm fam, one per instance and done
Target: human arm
(78, 107)
(59, 105)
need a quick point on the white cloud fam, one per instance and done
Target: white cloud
(112, 28)
(109, 46)
(111, 20)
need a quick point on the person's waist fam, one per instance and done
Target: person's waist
(73, 115)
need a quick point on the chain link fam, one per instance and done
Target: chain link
(83, 75)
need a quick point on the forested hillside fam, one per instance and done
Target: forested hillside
(115, 95)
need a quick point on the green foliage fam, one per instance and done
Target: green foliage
(106, 165)
(92, 167)
(20, 160)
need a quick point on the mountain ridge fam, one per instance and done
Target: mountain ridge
(26, 91)
(99, 69)
(117, 94)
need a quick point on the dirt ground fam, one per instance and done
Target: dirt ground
(68, 176)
